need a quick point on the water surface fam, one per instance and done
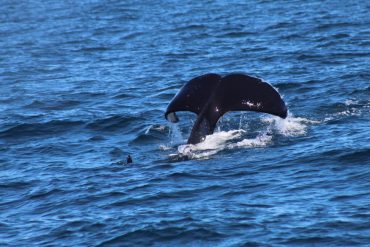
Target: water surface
(85, 83)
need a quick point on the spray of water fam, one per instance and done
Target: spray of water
(175, 135)
(226, 140)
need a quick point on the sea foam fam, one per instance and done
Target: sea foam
(232, 139)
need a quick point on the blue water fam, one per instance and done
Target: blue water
(85, 83)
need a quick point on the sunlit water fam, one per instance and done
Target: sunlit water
(85, 83)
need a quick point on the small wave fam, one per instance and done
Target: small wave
(163, 95)
(340, 35)
(189, 27)
(314, 240)
(56, 149)
(288, 85)
(97, 138)
(310, 56)
(280, 25)
(237, 34)
(116, 152)
(337, 25)
(173, 236)
(156, 128)
(365, 90)
(15, 185)
(39, 129)
(94, 49)
(186, 176)
(349, 108)
(112, 123)
(44, 193)
(146, 139)
(132, 35)
(53, 105)
(359, 155)
(122, 96)
(152, 133)
(350, 197)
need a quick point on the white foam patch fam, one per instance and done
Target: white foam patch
(350, 102)
(260, 141)
(354, 108)
(211, 145)
(165, 147)
(291, 126)
(226, 140)
(155, 127)
(219, 139)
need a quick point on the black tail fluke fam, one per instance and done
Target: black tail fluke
(193, 96)
(210, 96)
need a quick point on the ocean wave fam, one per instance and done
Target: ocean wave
(336, 25)
(288, 85)
(112, 123)
(350, 107)
(142, 139)
(53, 105)
(361, 155)
(152, 134)
(25, 130)
(174, 236)
(153, 197)
(279, 25)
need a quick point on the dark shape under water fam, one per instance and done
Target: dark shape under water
(210, 96)
(129, 159)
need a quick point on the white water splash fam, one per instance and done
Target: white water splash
(155, 127)
(175, 134)
(211, 145)
(261, 140)
(349, 102)
(226, 140)
(165, 147)
(291, 126)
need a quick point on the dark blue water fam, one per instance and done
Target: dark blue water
(85, 83)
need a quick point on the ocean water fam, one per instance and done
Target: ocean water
(85, 83)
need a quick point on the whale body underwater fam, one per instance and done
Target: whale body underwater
(211, 95)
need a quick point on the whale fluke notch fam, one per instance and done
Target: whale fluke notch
(210, 96)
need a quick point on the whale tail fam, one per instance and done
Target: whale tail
(210, 96)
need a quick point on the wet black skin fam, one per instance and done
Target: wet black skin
(210, 96)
